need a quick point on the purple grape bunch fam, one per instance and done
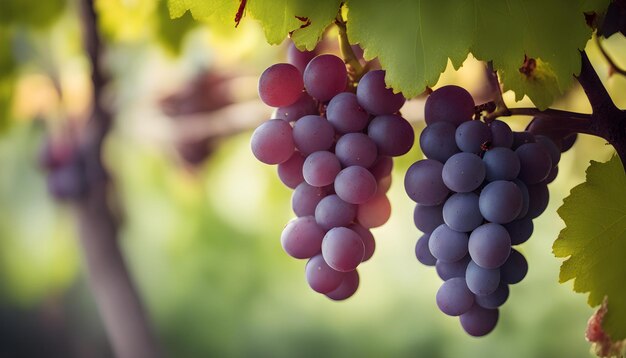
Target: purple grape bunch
(334, 148)
(476, 193)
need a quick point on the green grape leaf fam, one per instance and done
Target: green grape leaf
(594, 241)
(505, 32)
(35, 13)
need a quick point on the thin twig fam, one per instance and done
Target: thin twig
(609, 59)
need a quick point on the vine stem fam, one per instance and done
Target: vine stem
(118, 302)
(357, 71)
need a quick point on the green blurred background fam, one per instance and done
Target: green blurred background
(202, 239)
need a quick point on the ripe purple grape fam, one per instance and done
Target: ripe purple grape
(448, 270)
(472, 136)
(355, 185)
(375, 97)
(438, 141)
(375, 212)
(501, 164)
(500, 201)
(479, 321)
(424, 184)
(299, 58)
(342, 249)
(422, 252)
(501, 134)
(280, 85)
(321, 277)
(321, 168)
(454, 298)
(447, 245)
(346, 288)
(356, 149)
(305, 198)
(302, 238)
(290, 171)
(494, 299)
(272, 142)
(481, 281)
(368, 240)
(392, 134)
(449, 104)
(427, 218)
(333, 212)
(325, 76)
(461, 212)
(535, 163)
(345, 113)
(305, 105)
(514, 269)
(463, 172)
(489, 245)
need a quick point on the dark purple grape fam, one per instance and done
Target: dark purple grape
(342, 249)
(437, 141)
(321, 277)
(520, 138)
(305, 198)
(382, 167)
(460, 212)
(280, 85)
(355, 185)
(321, 168)
(501, 134)
(501, 164)
(384, 184)
(448, 270)
(525, 198)
(481, 281)
(568, 142)
(520, 230)
(290, 172)
(368, 240)
(479, 321)
(375, 212)
(345, 113)
(454, 298)
(494, 299)
(489, 245)
(424, 184)
(472, 136)
(514, 269)
(333, 212)
(356, 149)
(447, 245)
(554, 172)
(299, 58)
(305, 105)
(272, 142)
(312, 134)
(392, 134)
(538, 198)
(302, 238)
(449, 104)
(346, 288)
(375, 97)
(422, 252)
(500, 201)
(325, 76)
(535, 163)
(427, 218)
(463, 172)
(550, 147)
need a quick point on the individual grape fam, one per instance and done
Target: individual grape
(305, 199)
(501, 134)
(299, 58)
(321, 168)
(525, 198)
(454, 298)
(280, 85)
(437, 141)
(272, 142)
(427, 218)
(375, 212)
(345, 113)
(449, 104)
(368, 240)
(333, 212)
(535, 163)
(494, 299)
(538, 198)
(424, 184)
(489, 245)
(290, 171)
(305, 105)
(321, 277)
(501, 164)
(382, 167)
(384, 184)
(550, 147)
(325, 76)
(481, 281)
(500, 201)
(463, 172)
(447, 245)
(342, 249)
(479, 321)
(422, 252)
(355, 185)
(554, 172)
(520, 138)
(460, 212)
(392, 134)
(375, 97)
(514, 269)
(346, 288)
(448, 270)
(356, 149)
(568, 142)
(312, 134)
(302, 238)
(472, 136)
(520, 230)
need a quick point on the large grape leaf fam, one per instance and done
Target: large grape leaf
(414, 39)
(303, 20)
(594, 241)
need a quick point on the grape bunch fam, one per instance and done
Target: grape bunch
(334, 147)
(476, 193)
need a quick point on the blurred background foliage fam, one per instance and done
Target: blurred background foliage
(202, 218)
